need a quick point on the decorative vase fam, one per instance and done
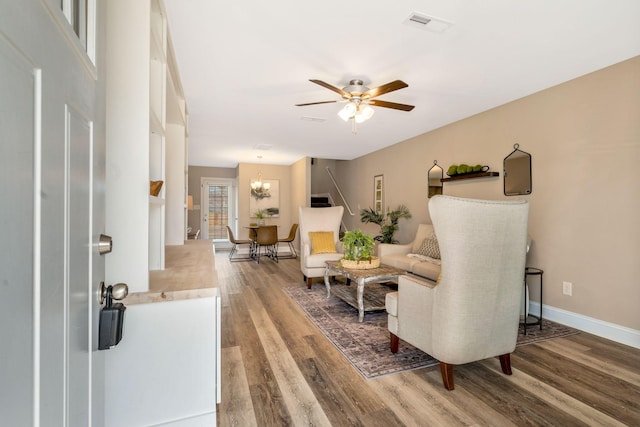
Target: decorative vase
(155, 187)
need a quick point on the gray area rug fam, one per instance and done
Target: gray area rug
(366, 344)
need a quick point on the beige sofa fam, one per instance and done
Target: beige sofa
(399, 255)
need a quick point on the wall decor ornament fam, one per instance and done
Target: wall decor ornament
(434, 177)
(517, 173)
(378, 193)
(266, 198)
(464, 169)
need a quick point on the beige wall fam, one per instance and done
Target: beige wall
(584, 136)
(248, 171)
(300, 185)
(320, 181)
(300, 190)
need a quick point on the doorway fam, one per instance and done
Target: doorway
(218, 209)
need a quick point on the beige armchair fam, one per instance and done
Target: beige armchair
(314, 220)
(472, 313)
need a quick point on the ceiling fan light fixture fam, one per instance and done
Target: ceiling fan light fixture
(359, 99)
(348, 111)
(364, 113)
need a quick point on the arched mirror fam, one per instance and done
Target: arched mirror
(434, 177)
(517, 172)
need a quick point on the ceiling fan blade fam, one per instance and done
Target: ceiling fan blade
(395, 106)
(330, 87)
(315, 103)
(381, 90)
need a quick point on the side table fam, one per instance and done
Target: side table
(532, 271)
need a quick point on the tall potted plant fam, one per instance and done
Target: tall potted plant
(388, 223)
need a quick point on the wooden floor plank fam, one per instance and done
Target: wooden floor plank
(353, 391)
(237, 408)
(519, 405)
(297, 395)
(478, 412)
(267, 399)
(612, 396)
(569, 349)
(417, 403)
(337, 406)
(580, 411)
(279, 304)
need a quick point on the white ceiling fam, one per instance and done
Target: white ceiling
(245, 63)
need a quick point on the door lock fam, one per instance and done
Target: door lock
(105, 244)
(111, 315)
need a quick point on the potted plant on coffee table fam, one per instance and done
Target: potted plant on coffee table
(358, 250)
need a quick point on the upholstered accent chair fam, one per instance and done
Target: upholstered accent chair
(314, 220)
(472, 312)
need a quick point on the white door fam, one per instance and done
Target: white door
(218, 203)
(52, 192)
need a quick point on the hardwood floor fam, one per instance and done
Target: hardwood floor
(279, 370)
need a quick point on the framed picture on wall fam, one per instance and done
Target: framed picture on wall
(378, 193)
(265, 198)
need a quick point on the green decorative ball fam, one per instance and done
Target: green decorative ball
(463, 169)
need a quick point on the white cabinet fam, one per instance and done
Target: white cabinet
(165, 371)
(146, 120)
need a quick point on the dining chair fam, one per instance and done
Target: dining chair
(236, 244)
(289, 240)
(267, 239)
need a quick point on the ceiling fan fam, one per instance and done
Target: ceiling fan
(359, 99)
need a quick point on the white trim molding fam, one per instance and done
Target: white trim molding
(610, 331)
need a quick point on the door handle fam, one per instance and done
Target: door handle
(116, 292)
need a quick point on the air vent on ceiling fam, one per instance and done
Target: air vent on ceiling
(427, 23)
(262, 147)
(313, 119)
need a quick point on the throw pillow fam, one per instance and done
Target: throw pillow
(430, 247)
(322, 242)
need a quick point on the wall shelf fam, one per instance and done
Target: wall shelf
(470, 176)
(153, 200)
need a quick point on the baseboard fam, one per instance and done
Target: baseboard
(610, 331)
(206, 419)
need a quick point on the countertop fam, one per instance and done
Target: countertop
(189, 273)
